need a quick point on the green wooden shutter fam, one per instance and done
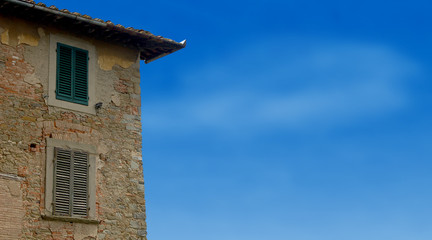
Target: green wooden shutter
(64, 72)
(71, 183)
(81, 76)
(72, 74)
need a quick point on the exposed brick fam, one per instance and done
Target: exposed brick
(120, 86)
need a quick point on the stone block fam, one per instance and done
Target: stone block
(135, 224)
(142, 233)
(139, 215)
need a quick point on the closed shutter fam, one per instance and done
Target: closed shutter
(80, 179)
(72, 74)
(70, 183)
(64, 72)
(62, 182)
(80, 74)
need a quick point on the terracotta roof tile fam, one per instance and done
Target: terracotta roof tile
(87, 16)
(156, 47)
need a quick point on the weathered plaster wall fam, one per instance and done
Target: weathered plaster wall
(11, 207)
(26, 121)
(14, 34)
(109, 56)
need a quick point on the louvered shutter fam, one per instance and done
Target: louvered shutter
(81, 75)
(72, 74)
(80, 179)
(71, 183)
(62, 182)
(64, 72)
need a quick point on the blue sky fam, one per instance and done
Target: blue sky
(303, 120)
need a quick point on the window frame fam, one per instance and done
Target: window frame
(51, 94)
(48, 213)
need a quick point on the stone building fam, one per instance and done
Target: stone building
(70, 131)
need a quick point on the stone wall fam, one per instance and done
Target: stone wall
(26, 121)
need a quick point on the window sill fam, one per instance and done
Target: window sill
(70, 219)
(70, 106)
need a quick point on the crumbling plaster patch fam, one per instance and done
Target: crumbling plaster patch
(116, 100)
(108, 56)
(29, 39)
(31, 79)
(11, 209)
(18, 32)
(14, 188)
(5, 36)
(84, 231)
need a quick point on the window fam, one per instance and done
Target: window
(70, 183)
(72, 74)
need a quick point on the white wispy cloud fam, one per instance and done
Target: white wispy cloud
(287, 84)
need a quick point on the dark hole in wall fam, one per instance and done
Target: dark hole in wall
(33, 147)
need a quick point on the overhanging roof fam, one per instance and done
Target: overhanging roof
(151, 47)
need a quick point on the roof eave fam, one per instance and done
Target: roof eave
(151, 47)
(148, 60)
